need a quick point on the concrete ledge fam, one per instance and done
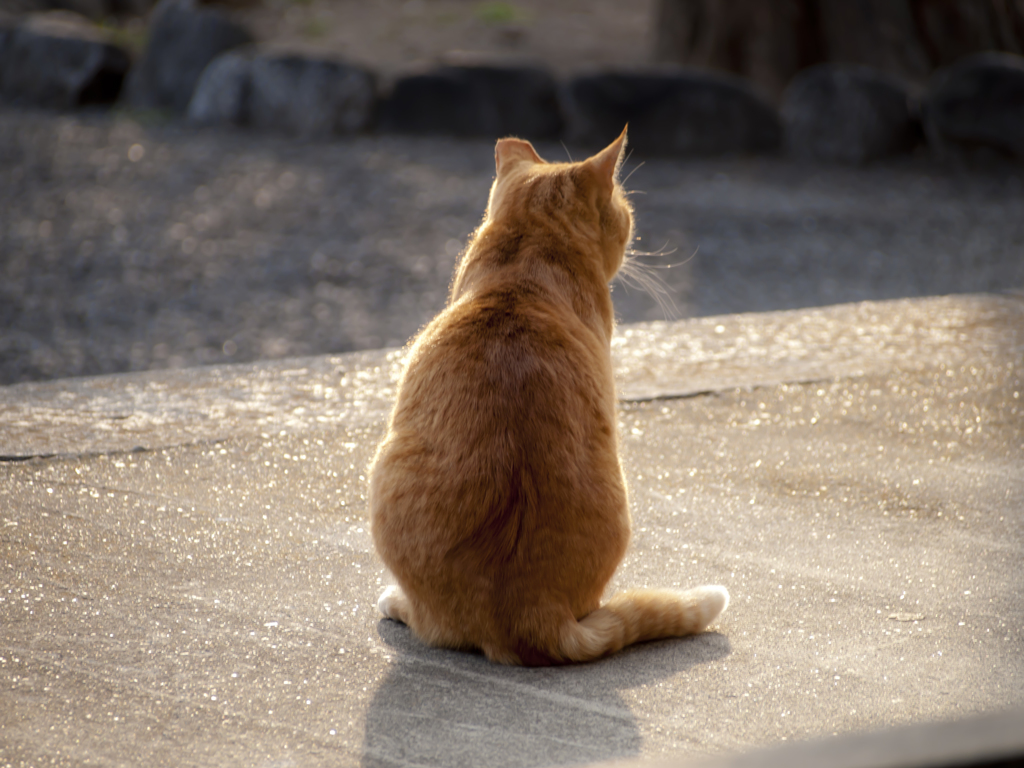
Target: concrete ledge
(653, 361)
(187, 576)
(990, 741)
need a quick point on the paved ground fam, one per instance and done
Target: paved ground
(188, 578)
(130, 246)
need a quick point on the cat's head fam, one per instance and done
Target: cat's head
(584, 197)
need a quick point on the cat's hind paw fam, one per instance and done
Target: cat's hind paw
(394, 604)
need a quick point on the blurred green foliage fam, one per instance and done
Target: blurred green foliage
(500, 13)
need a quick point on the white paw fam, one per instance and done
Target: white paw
(388, 601)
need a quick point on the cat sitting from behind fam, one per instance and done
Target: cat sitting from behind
(496, 497)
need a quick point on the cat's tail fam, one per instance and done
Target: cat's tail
(639, 615)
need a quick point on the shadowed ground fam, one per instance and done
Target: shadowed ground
(126, 246)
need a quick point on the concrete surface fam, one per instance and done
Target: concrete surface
(188, 578)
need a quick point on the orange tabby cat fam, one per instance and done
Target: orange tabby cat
(497, 499)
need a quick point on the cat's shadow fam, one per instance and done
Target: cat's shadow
(438, 707)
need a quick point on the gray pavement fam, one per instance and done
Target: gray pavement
(188, 577)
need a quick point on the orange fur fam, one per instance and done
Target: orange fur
(497, 498)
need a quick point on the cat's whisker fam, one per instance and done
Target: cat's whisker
(639, 275)
(567, 153)
(632, 253)
(641, 165)
(662, 251)
(633, 274)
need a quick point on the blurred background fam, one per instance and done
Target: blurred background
(132, 237)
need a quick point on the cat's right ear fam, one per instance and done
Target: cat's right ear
(508, 152)
(608, 160)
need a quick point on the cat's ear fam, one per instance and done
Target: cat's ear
(507, 152)
(606, 162)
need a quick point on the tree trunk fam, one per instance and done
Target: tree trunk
(950, 29)
(768, 41)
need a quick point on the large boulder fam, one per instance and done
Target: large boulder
(183, 39)
(978, 101)
(475, 100)
(672, 111)
(221, 97)
(55, 61)
(847, 113)
(309, 97)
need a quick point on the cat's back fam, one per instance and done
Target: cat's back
(513, 351)
(502, 449)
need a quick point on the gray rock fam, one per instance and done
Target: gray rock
(309, 97)
(7, 29)
(847, 113)
(183, 39)
(92, 9)
(478, 100)
(56, 63)
(290, 94)
(677, 111)
(978, 101)
(221, 96)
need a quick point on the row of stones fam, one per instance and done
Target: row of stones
(201, 64)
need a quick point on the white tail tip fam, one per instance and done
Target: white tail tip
(713, 599)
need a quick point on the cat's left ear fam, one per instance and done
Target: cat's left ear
(510, 151)
(606, 162)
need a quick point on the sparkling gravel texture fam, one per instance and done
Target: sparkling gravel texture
(134, 246)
